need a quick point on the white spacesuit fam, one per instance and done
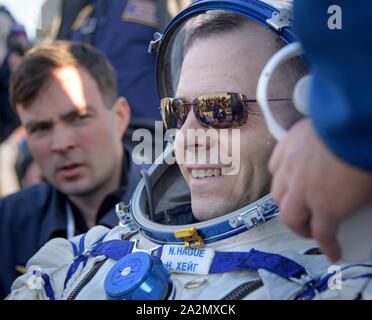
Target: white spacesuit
(87, 267)
(160, 251)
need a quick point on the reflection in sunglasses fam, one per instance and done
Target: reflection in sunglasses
(221, 110)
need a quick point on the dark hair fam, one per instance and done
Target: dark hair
(223, 22)
(213, 22)
(39, 64)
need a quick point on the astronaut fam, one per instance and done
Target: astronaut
(203, 229)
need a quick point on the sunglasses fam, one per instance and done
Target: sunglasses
(218, 111)
(221, 110)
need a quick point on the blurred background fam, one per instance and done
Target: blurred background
(27, 23)
(26, 12)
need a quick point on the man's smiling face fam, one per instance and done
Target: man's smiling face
(225, 63)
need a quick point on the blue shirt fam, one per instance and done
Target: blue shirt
(341, 93)
(123, 31)
(33, 216)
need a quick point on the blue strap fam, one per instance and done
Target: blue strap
(320, 285)
(315, 286)
(48, 287)
(365, 275)
(113, 249)
(81, 244)
(74, 248)
(222, 261)
(364, 265)
(80, 257)
(255, 260)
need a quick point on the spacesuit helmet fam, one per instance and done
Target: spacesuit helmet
(165, 202)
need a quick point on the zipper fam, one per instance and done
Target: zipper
(243, 290)
(89, 276)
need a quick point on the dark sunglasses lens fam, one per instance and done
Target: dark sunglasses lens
(174, 112)
(166, 107)
(222, 111)
(239, 109)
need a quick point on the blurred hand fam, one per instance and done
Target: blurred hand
(315, 190)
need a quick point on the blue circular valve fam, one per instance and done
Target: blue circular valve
(138, 276)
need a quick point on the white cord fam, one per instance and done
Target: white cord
(290, 51)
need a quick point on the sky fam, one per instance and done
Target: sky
(26, 12)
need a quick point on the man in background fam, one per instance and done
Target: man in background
(65, 96)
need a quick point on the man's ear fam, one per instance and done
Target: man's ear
(121, 112)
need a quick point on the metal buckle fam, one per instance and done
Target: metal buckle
(280, 20)
(86, 252)
(155, 44)
(191, 237)
(125, 217)
(148, 251)
(303, 281)
(251, 219)
(306, 281)
(268, 207)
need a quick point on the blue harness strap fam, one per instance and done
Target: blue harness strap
(279, 265)
(252, 260)
(113, 249)
(48, 287)
(74, 248)
(320, 285)
(255, 260)
(79, 258)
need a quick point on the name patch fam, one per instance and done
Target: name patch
(179, 259)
